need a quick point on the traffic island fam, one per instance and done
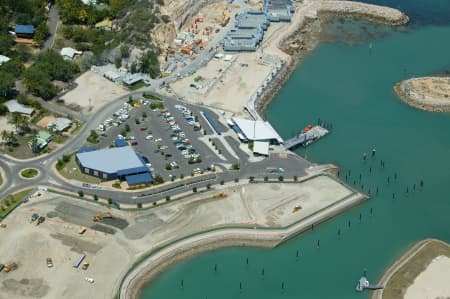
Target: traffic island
(29, 173)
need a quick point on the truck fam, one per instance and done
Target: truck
(10, 267)
(40, 220)
(78, 261)
(34, 216)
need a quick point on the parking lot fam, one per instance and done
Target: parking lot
(166, 137)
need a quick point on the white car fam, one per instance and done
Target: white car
(148, 137)
(164, 147)
(89, 279)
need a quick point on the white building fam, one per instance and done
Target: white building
(14, 106)
(4, 59)
(251, 130)
(59, 124)
(69, 53)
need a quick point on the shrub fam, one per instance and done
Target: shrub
(66, 158)
(182, 176)
(81, 193)
(194, 189)
(208, 186)
(235, 166)
(236, 180)
(280, 178)
(109, 200)
(167, 198)
(295, 178)
(222, 182)
(266, 179)
(139, 205)
(95, 197)
(251, 179)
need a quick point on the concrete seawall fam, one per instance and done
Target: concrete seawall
(161, 259)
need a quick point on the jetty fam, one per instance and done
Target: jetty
(363, 284)
(306, 137)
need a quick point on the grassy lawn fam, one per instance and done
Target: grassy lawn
(151, 97)
(137, 85)
(77, 127)
(59, 139)
(71, 171)
(405, 276)
(8, 203)
(29, 173)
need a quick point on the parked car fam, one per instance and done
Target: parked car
(49, 262)
(143, 129)
(89, 279)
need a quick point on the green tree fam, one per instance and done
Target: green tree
(150, 63)
(20, 122)
(165, 18)
(38, 82)
(40, 34)
(118, 62)
(7, 84)
(6, 43)
(13, 67)
(3, 109)
(124, 51)
(23, 52)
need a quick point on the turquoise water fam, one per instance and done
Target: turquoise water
(351, 88)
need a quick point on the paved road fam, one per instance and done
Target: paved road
(292, 164)
(52, 23)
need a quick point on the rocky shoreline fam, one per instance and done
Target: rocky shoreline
(305, 38)
(425, 100)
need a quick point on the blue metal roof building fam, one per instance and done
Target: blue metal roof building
(114, 163)
(24, 30)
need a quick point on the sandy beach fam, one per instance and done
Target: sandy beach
(422, 272)
(426, 93)
(434, 282)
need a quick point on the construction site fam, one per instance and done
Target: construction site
(194, 34)
(82, 250)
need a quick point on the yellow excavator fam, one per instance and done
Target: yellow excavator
(100, 217)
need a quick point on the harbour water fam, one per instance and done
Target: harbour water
(349, 86)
